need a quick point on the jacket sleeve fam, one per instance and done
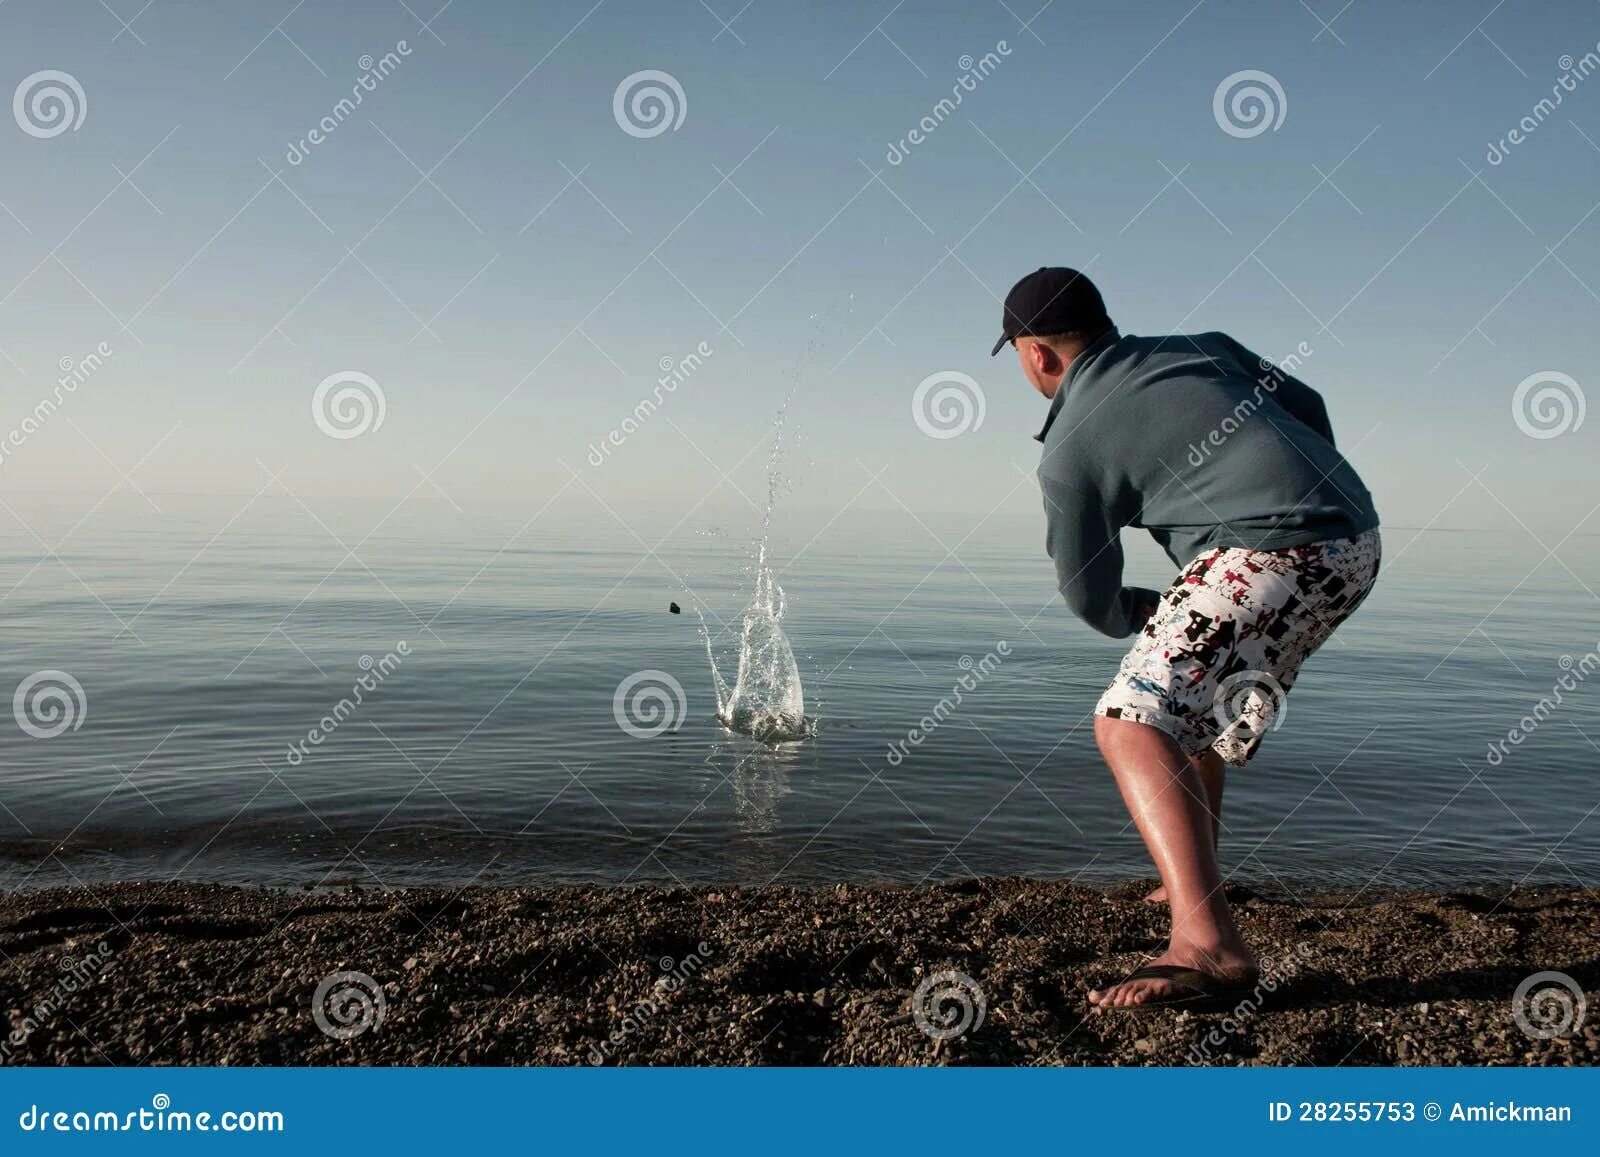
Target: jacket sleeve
(1084, 540)
(1299, 400)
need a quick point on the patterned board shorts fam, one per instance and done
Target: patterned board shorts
(1214, 663)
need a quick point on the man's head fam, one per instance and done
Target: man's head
(1050, 316)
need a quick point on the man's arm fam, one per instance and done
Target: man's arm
(1085, 542)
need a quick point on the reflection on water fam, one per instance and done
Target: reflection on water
(760, 780)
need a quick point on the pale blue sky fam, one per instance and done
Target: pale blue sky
(514, 306)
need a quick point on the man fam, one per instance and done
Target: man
(1229, 463)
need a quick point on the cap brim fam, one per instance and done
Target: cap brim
(1000, 345)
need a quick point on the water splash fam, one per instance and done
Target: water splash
(765, 699)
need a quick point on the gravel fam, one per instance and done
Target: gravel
(989, 971)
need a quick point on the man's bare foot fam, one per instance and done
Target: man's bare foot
(1230, 963)
(1159, 896)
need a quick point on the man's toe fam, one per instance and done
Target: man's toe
(1140, 993)
(1130, 993)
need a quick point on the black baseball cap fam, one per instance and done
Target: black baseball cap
(1052, 299)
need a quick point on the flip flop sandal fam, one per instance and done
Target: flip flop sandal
(1195, 990)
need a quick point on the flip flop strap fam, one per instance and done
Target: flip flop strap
(1191, 979)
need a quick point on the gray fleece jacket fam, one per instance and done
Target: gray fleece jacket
(1198, 441)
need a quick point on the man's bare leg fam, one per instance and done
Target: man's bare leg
(1210, 768)
(1165, 796)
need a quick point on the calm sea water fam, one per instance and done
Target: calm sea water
(491, 752)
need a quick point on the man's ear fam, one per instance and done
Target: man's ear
(1045, 358)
